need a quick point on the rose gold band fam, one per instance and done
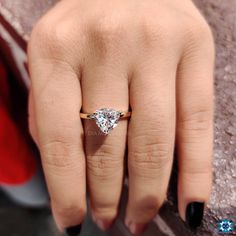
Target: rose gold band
(122, 115)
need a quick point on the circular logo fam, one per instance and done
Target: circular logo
(225, 226)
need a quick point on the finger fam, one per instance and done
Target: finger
(105, 85)
(195, 127)
(151, 139)
(31, 118)
(57, 102)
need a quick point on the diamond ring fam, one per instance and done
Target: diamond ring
(106, 118)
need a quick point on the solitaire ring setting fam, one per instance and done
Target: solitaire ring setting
(106, 118)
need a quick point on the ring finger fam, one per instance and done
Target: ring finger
(104, 85)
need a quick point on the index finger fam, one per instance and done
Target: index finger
(57, 102)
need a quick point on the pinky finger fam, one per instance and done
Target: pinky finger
(195, 130)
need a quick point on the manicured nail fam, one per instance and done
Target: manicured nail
(73, 231)
(194, 214)
(135, 229)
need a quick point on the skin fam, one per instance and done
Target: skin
(155, 56)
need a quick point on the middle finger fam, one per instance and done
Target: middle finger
(151, 136)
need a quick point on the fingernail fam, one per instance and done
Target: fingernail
(73, 231)
(194, 214)
(104, 224)
(135, 229)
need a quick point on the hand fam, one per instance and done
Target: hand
(154, 56)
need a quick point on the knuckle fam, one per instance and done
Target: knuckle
(111, 29)
(203, 29)
(156, 33)
(49, 39)
(105, 162)
(159, 33)
(56, 155)
(198, 31)
(196, 119)
(107, 36)
(152, 155)
(151, 31)
(196, 172)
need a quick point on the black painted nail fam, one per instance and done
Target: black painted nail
(194, 214)
(73, 231)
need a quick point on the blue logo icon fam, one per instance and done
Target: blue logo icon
(225, 226)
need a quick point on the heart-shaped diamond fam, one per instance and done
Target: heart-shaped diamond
(106, 119)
